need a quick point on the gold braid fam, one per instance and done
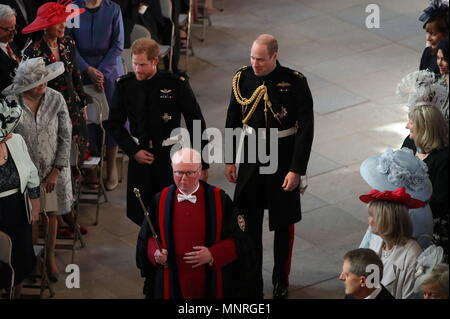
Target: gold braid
(260, 92)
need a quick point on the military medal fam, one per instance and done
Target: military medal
(241, 222)
(165, 94)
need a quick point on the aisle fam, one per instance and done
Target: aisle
(352, 72)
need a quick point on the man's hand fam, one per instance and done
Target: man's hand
(291, 181)
(204, 175)
(161, 257)
(199, 257)
(50, 182)
(144, 157)
(230, 173)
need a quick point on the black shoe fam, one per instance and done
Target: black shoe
(280, 291)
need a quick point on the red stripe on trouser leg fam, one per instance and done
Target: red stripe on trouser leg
(291, 245)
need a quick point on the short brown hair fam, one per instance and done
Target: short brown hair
(430, 128)
(392, 221)
(145, 45)
(438, 24)
(270, 42)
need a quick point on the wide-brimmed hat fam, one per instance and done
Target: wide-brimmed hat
(398, 195)
(32, 73)
(394, 169)
(10, 113)
(423, 87)
(52, 13)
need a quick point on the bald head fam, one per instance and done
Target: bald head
(269, 41)
(186, 166)
(186, 156)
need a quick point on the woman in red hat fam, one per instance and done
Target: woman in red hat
(389, 219)
(53, 45)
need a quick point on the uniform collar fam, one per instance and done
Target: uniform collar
(272, 74)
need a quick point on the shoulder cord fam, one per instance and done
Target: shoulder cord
(261, 91)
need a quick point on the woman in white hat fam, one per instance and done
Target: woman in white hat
(17, 174)
(46, 128)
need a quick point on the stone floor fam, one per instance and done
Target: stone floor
(352, 72)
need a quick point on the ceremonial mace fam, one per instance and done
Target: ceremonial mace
(146, 214)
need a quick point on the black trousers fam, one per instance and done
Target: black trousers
(283, 238)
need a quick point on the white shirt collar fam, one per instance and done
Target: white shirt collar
(3, 47)
(374, 294)
(196, 189)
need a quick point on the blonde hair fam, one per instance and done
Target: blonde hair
(145, 45)
(430, 128)
(392, 221)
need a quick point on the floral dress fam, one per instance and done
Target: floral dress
(48, 137)
(68, 84)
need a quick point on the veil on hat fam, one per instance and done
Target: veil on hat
(423, 87)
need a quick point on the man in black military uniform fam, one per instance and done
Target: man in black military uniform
(153, 102)
(267, 95)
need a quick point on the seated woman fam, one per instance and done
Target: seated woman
(17, 174)
(435, 284)
(429, 131)
(394, 169)
(389, 219)
(46, 128)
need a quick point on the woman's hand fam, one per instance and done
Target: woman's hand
(95, 75)
(35, 208)
(50, 182)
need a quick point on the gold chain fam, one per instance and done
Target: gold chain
(260, 92)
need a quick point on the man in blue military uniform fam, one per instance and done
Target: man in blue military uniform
(153, 102)
(267, 95)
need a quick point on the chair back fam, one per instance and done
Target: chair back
(138, 32)
(5, 257)
(5, 248)
(166, 8)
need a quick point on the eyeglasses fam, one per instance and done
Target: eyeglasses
(9, 30)
(187, 173)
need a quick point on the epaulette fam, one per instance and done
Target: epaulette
(125, 77)
(299, 74)
(244, 68)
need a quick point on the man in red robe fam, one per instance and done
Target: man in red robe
(205, 250)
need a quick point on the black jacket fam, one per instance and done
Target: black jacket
(31, 7)
(153, 108)
(291, 100)
(7, 67)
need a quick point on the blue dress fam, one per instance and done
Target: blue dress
(99, 42)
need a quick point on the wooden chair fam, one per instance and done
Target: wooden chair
(97, 188)
(39, 280)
